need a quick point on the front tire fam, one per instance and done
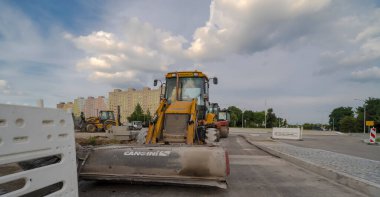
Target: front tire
(224, 131)
(212, 135)
(91, 128)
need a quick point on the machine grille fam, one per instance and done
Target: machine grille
(176, 124)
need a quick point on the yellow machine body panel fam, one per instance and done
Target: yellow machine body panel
(210, 118)
(175, 110)
(179, 107)
(191, 127)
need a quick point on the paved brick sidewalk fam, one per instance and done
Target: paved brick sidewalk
(355, 166)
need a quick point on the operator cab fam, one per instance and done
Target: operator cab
(224, 115)
(190, 85)
(214, 108)
(106, 115)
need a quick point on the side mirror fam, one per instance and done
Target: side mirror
(215, 80)
(155, 82)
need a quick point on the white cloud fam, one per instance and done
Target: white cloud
(35, 59)
(260, 50)
(125, 77)
(368, 33)
(3, 84)
(234, 27)
(97, 42)
(368, 47)
(369, 74)
(4, 87)
(245, 26)
(93, 63)
(120, 59)
(356, 43)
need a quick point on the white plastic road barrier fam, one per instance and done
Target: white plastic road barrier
(37, 152)
(372, 135)
(287, 133)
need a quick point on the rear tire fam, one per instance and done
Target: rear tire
(224, 131)
(91, 128)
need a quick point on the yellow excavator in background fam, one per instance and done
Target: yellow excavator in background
(179, 148)
(104, 121)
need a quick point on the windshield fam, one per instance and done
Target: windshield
(189, 88)
(222, 116)
(106, 115)
(214, 108)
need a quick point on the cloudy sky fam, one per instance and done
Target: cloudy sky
(303, 58)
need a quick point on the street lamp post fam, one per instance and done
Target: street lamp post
(363, 114)
(333, 124)
(265, 114)
(364, 118)
(242, 119)
(265, 118)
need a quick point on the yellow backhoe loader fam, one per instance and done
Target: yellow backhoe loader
(104, 121)
(179, 148)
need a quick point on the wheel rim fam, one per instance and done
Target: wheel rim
(91, 128)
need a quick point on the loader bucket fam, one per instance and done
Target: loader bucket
(184, 165)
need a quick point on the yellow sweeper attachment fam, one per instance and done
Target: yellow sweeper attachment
(178, 148)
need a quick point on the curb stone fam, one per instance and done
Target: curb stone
(364, 186)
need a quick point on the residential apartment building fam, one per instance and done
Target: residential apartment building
(78, 106)
(92, 106)
(65, 106)
(127, 100)
(60, 105)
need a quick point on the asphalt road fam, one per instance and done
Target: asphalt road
(350, 144)
(345, 144)
(253, 173)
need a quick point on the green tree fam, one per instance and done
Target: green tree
(249, 117)
(271, 118)
(307, 126)
(348, 124)
(373, 109)
(259, 118)
(254, 118)
(338, 114)
(372, 106)
(280, 122)
(311, 126)
(148, 116)
(235, 116)
(137, 114)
